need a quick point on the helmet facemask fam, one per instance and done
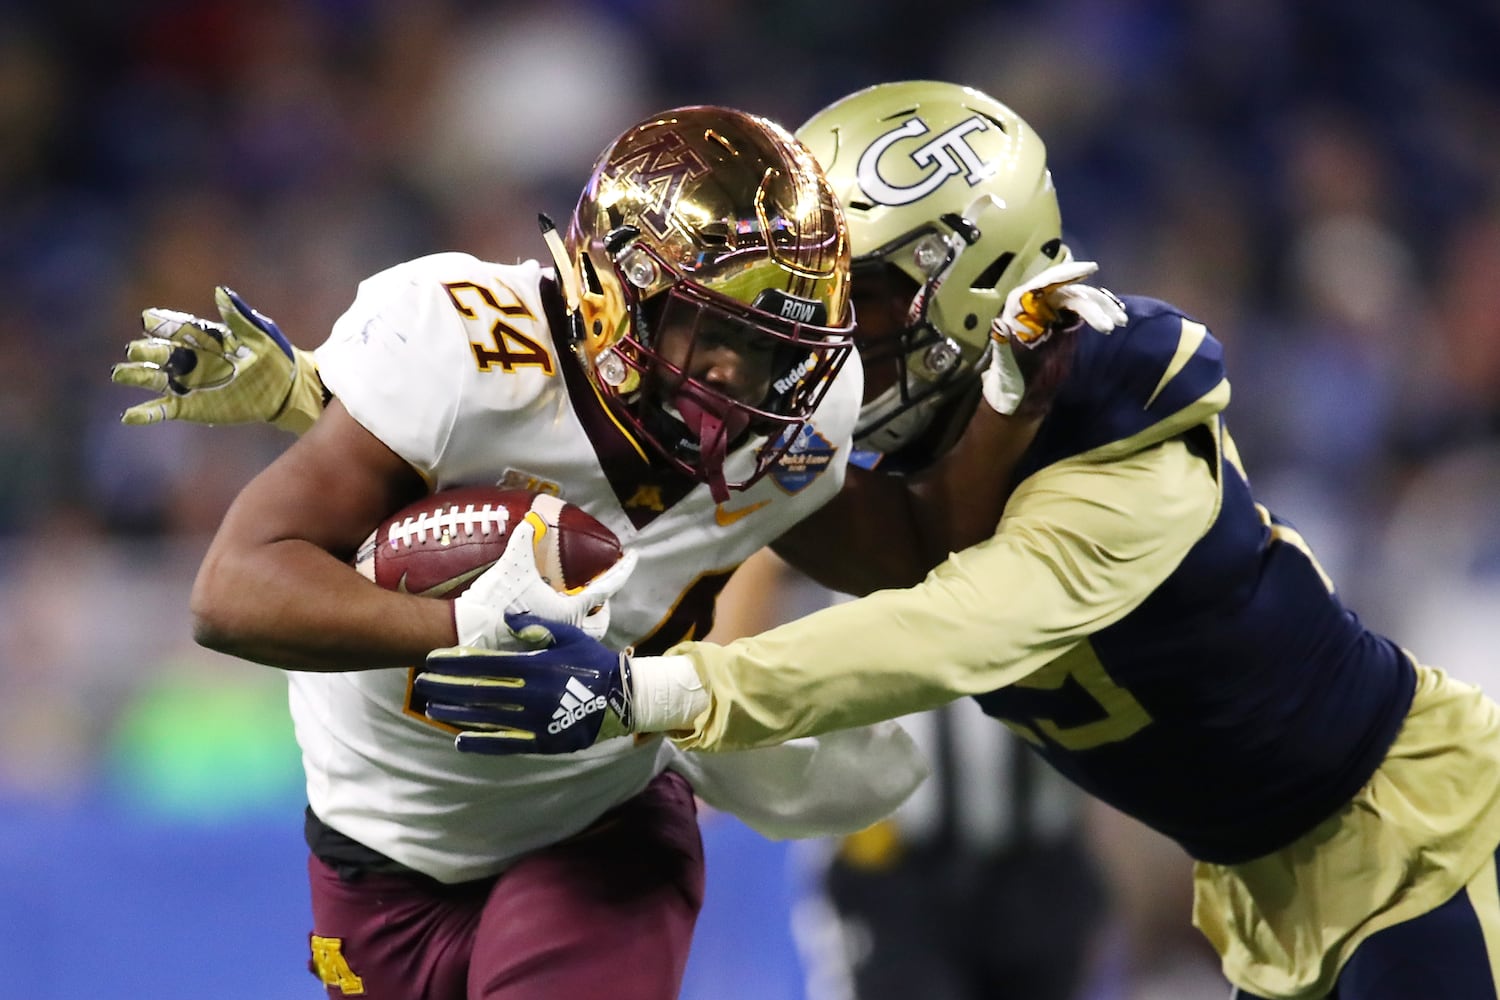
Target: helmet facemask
(780, 369)
(927, 366)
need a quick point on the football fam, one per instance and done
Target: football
(438, 545)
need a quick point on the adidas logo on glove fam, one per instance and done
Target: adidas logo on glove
(577, 704)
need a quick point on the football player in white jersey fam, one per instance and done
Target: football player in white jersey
(680, 375)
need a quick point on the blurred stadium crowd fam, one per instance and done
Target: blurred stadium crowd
(1319, 181)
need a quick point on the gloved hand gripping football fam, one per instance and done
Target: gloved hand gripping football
(514, 586)
(567, 695)
(1053, 302)
(240, 371)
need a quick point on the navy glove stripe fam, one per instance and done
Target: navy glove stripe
(483, 717)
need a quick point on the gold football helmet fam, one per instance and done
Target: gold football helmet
(706, 233)
(950, 205)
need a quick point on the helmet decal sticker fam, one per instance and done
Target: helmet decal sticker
(948, 152)
(950, 206)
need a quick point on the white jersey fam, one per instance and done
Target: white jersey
(450, 361)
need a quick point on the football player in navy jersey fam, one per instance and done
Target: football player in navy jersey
(1149, 628)
(939, 899)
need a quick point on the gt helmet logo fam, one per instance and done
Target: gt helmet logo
(948, 152)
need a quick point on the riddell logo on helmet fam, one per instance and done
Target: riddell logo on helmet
(791, 378)
(577, 704)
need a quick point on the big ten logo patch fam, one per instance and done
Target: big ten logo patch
(515, 479)
(808, 457)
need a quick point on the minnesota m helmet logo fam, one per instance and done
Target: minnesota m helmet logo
(948, 153)
(660, 169)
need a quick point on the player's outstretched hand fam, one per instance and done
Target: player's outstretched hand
(564, 696)
(514, 585)
(1053, 303)
(240, 371)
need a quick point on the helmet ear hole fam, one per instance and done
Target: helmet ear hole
(590, 276)
(990, 276)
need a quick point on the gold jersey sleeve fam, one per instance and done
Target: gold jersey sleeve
(1080, 545)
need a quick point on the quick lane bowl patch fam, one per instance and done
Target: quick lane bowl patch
(806, 460)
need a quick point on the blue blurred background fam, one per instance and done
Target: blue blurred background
(1317, 180)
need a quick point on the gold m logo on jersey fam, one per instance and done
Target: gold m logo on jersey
(948, 154)
(659, 170)
(330, 966)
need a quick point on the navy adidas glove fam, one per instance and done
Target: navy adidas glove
(567, 695)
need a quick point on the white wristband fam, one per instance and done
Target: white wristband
(668, 696)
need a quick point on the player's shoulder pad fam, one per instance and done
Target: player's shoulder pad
(433, 295)
(838, 410)
(419, 269)
(1159, 365)
(429, 276)
(404, 357)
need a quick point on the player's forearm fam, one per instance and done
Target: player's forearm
(866, 538)
(886, 531)
(894, 652)
(1082, 545)
(292, 605)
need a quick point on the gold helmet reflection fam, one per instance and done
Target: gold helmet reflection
(949, 187)
(727, 213)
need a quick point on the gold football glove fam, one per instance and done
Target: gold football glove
(1055, 301)
(241, 371)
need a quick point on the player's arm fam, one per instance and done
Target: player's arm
(887, 531)
(276, 585)
(883, 531)
(1081, 545)
(239, 371)
(751, 601)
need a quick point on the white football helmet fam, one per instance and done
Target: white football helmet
(950, 205)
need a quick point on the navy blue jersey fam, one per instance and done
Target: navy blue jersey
(1257, 703)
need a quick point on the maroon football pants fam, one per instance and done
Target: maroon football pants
(608, 913)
